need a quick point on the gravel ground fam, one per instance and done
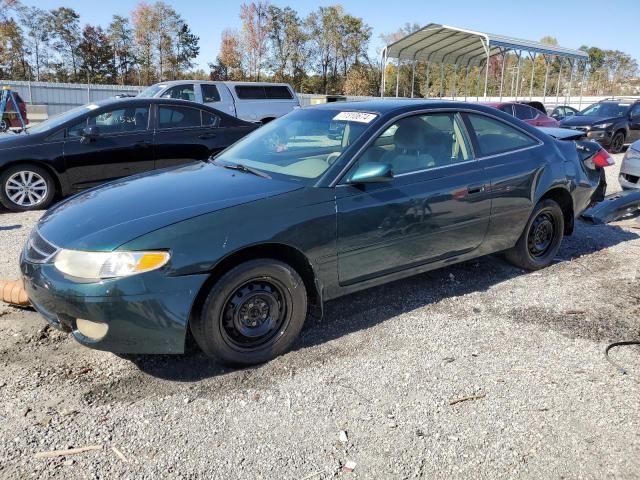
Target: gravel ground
(384, 366)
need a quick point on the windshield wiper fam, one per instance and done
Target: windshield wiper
(243, 168)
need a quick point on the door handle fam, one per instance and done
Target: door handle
(476, 189)
(206, 136)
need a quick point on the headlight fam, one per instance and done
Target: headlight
(631, 153)
(98, 265)
(603, 126)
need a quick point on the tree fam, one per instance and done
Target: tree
(65, 31)
(255, 32)
(121, 40)
(97, 55)
(143, 29)
(324, 31)
(34, 21)
(287, 43)
(186, 48)
(13, 58)
(228, 64)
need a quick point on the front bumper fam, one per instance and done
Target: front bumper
(146, 313)
(630, 170)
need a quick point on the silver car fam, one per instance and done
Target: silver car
(630, 168)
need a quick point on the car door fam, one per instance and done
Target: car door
(435, 207)
(634, 124)
(512, 159)
(121, 146)
(186, 133)
(218, 98)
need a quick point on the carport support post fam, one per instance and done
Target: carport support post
(413, 76)
(398, 76)
(384, 72)
(584, 76)
(504, 61)
(455, 81)
(571, 64)
(426, 87)
(466, 81)
(441, 79)
(546, 78)
(518, 74)
(558, 85)
(533, 69)
(487, 49)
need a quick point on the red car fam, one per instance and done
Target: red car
(526, 113)
(10, 118)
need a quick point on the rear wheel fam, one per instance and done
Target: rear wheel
(252, 314)
(617, 143)
(26, 187)
(541, 238)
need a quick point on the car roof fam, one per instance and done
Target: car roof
(126, 100)
(383, 106)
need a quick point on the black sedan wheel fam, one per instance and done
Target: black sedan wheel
(541, 239)
(252, 314)
(26, 187)
(617, 142)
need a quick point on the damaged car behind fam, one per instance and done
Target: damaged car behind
(241, 249)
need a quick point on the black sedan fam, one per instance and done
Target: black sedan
(99, 142)
(314, 205)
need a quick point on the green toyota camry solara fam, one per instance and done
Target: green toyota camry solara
(312, 206)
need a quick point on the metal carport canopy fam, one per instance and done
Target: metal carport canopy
(445, 44)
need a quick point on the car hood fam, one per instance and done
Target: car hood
(584, 120)
(12, 140)
(105, 217)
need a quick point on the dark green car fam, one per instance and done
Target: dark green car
(317, 204)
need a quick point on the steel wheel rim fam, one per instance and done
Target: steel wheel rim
(541, 235)
(255, 314)
(26, 188)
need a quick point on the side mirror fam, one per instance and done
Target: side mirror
(89, 134)
(372, 173)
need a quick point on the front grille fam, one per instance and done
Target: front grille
(631, 178)
(37, 249)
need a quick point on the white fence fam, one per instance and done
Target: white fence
(60, 97)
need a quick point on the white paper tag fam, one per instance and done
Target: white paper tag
(361, 117)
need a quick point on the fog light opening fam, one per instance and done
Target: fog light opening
(92, 330)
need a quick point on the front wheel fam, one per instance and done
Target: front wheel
(617, 142)
(252, 314)
(541, 238)
(26, 187)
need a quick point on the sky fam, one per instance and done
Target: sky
(613, 24)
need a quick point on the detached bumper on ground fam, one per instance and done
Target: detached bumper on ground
(145, 314)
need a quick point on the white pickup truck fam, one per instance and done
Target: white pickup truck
(250, 101)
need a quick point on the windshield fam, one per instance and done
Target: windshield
(56, 121)
(151, 91)
(302, 145)
(607, 109)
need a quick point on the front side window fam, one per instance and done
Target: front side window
(181, 92)
(302, 145)
(174, 116)
(121, 120)
(495, 136)
(210, 93)
(419, 143)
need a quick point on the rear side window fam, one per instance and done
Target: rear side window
(178, 117)
(210, 120)
(259, 92)
(524, 112)
(210, 93)
(181, 92)
(506, 109)
(495, 136)
(278, 92)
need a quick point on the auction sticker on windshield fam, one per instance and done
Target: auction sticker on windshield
(361, 117)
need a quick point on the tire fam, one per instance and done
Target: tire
(38, 184)
(252, 314)
(541, 238)
(617, 143)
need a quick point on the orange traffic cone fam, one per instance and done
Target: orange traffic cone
(13, 292)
